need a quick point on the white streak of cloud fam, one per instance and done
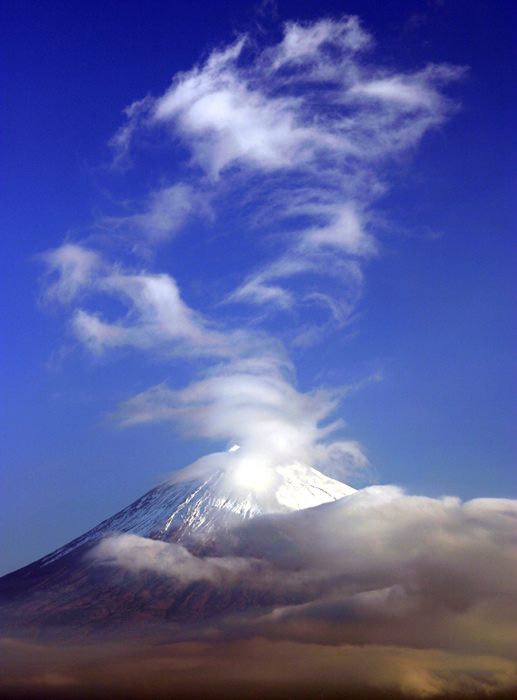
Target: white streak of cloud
(142, 554)
(167, 211)
(71, 269)
(251, 402)
(157, 317)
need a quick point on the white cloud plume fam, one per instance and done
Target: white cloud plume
(318, 121)
(247, 399)
(251, 402)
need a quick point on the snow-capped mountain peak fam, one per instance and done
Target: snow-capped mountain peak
(202, 499)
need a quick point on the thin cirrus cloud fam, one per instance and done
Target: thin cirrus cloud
(167, 211)
(292, 139)
(71, 269)
(318, 121)
(157, 318)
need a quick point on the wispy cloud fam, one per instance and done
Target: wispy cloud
(319, 121)
(289, 139)
(71, 271)
(142, 554)
(252, 402)
(166, 212)
(157, 318)
(305, 128)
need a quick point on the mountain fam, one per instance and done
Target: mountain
(68, 590)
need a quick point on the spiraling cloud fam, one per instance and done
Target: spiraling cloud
(288, 138)
(251, 402)
(318, 121)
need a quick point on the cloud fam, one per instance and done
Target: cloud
(125, 137)
(225, 120)
(380, 534)
(258, 666)
(318, 120)
(375, 567)
(167, 211)
(344, 231)
(425, 586)
(248, 398)
(252, 402)
(294, 136)
(412, 92)
(262, 113)
(387, 568)
(157, 318)
(71, 270)
(142, 554)
(377, 592)
(388, 591)
(317, 255)
(289, 138)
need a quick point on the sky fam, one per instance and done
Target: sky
(286, 225)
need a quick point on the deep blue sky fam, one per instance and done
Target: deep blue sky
(435, 316)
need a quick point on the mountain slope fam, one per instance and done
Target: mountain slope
(178, 509)
(67, 588)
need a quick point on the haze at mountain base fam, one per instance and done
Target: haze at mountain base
(374, 591)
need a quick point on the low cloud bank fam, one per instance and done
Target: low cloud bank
(376, 567)
(143, 554)
(405, 597)
(256, 668)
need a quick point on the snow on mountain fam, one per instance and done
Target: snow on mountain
(72, 595)
(194, 502)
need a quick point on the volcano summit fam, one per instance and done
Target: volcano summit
(131, 567)
(237, 569)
